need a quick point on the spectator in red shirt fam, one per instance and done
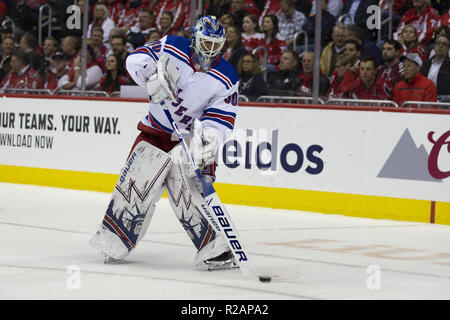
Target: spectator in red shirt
(58, 76)
(410, 42)
(352, 48)
(423, 17)
(129, 15)
(415, 87)
(115, 75)
(93, 73)
(342, 71)
(270, 7)
(251, 37)
(70, 46)
(445, 19)
(115, 8)
(251, 7)
(274, 44)
(22, 75)
(180, 11)
(306, 77)
(102, 20)
(392, 69)
(369, 86)
(96, 42)
(165, 24)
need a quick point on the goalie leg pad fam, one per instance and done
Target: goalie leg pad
(185, 199)
(132, 204)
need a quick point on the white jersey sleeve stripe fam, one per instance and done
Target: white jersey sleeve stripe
(215, 76)
(146, 51)
(221, 76)
(158, 124)
(176, 53)
(219, 120)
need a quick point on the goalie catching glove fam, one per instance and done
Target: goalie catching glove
(162, 84)
(204, 144)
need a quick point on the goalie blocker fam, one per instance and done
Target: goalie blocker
(155, 164)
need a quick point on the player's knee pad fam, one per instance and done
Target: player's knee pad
(132, 204)
(184, 193)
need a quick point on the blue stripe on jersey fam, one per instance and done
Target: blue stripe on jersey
(156, 46)
(226, 69)
(220, 79)
(141, 53)
(220, 111)
(160, 125)
(147, 52)
(176, 55)
(179, 47)
(181, 43)
(224, 123)
(147, 49)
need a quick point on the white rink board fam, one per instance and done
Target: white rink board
(342, 151)
(354, 147)
(71, 149)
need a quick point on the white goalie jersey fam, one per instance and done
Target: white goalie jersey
(211, 97)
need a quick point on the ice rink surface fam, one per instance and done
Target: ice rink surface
(44, 234)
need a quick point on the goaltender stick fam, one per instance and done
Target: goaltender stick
(203, 91)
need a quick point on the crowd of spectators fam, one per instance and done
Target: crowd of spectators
(354, 63)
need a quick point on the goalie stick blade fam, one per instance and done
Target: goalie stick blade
(217, 210)
(277, 273)
(217, 215)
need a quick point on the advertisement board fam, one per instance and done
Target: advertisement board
(374, 153)
(362, 162)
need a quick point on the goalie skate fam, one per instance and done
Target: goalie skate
(111, 260)
(225, 261)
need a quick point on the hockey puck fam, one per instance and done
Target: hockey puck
(265, 279)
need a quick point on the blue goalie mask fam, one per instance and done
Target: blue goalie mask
(207, 40)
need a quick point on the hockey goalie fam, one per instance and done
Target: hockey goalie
(201, 91)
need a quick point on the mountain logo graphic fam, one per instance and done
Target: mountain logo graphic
(407, 161)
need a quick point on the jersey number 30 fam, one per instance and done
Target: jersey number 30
(233, 99)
